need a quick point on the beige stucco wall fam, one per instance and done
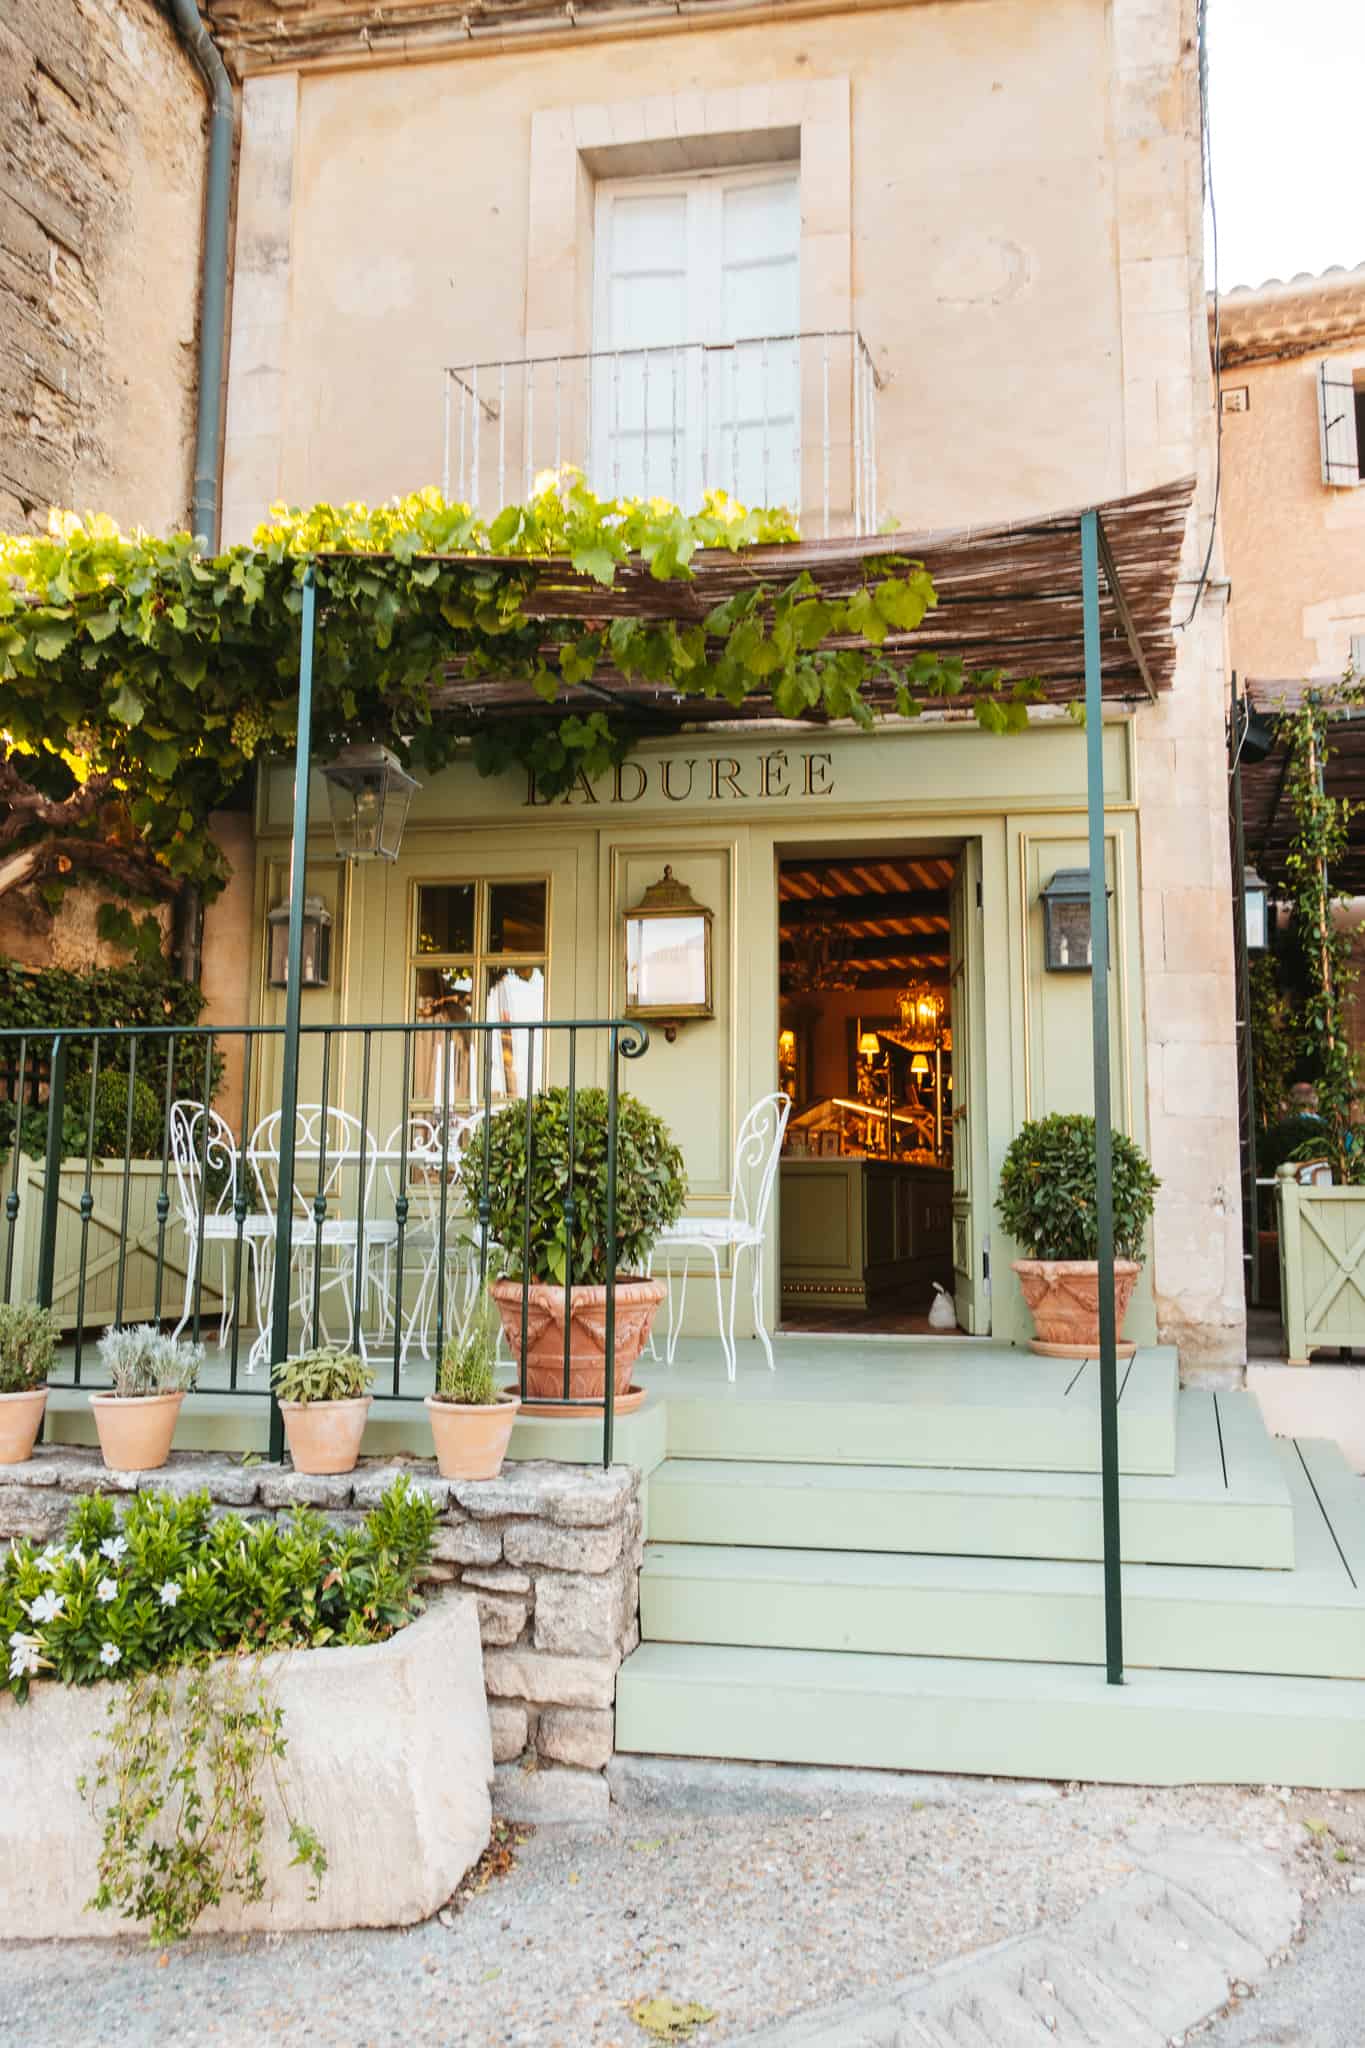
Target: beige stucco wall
(1295, 546)
(1008, 206)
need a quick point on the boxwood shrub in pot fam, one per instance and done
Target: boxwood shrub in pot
(324, 1397)
(536, 1262)
(1047, 1203)
(28, 1345)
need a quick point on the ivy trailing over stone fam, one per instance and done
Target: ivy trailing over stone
(141, 678)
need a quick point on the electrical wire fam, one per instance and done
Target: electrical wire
(1207, 149)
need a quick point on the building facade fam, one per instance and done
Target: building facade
(748, 253)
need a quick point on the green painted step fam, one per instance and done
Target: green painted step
(1309, 1622)
(959, 1403)
(998, 1719)
(1227, 1502)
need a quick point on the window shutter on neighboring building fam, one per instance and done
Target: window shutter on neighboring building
(1337, 423)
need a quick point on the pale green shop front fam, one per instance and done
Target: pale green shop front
(725, 810)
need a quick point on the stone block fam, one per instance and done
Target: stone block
(286, 1488)
(576, 1496)
(466, 1543)
(563, 1549)
(497, 1578)
(225, 1480)
(525, 1673)
(42, 1469)
(577, 1735)
(556, 1794)
(507, 1725)
(501, 1620)
(372, 1485)
(389, 1759)
(579, 1614)
(41, 1514)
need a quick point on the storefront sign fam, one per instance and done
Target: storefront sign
(702, 779)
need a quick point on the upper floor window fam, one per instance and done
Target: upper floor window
(1341, 421)
(696, 314)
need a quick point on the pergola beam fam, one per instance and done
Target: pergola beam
(1121, 606)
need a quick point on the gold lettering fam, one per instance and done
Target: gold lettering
(676, 795)
(533, 795)
(580, 790)
(819, 774)
(731, 775)
(635, 769)
(772, 775)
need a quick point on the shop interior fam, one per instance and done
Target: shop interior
(865, 1053)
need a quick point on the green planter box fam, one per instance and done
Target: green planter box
(1322, 1267)
(104, 1243)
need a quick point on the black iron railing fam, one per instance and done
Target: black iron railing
(181, 1173)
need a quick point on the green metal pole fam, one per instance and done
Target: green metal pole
(1104, 1160)
(52, 1174)
(289, 1079)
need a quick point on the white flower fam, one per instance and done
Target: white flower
(107, 1590)
(169, 1594)
(24, 1654)
(46, 1607)
(76, 1555)
(114, 1547)
(51, 1559)
(110, 1654)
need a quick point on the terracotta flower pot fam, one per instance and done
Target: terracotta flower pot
(471, 1439)
(1063, 1297)
(135, 1430)
(324, 1436)
(20, 1415)
(637, 1304)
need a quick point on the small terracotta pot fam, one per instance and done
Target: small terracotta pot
(20, 1416)
(1063, 1297)
(637, 1304)
(471, 1439)
(135, 1430)
(324, 1436)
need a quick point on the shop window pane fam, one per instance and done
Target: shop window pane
(516, 917)
(442, 1060)
(445, 918)
(516, 996)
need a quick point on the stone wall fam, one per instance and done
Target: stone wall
(552, 1553)
(101, 191)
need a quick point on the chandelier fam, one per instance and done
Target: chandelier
(821, 947)
(921, 1012)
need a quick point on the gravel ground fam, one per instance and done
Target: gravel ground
(755, 1916)
(1317, 2001)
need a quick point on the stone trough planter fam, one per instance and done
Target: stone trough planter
(389, 1759)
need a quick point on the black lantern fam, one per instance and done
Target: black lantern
(1067, 947)
(1255, 911)
(316, 959)
(369, 792)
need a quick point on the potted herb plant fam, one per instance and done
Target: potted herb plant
(1047, 1203)
(539, 1257)
(471, 1419)
(28, 1345)
(324, 1396)
(149, 1376)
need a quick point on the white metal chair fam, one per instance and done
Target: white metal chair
(329, 1145)
(429, 1151)
(757, 1150)
(203, 1148)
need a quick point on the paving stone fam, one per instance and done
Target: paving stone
(466, 1543)
(507, 1725)
(546, 1795)
(577, 1735)
(580, 1614)
(525, 1673)
(574, 1549)
(501, 1620)
(290, 1489)
(497, 1578)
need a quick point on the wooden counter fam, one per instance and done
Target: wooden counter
(855, 1229)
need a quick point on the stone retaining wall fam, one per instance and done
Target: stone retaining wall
(552, 1553)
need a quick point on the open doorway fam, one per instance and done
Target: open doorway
(866, 1052)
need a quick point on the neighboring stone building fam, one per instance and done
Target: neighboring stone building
(1293, 506)
(101, 191)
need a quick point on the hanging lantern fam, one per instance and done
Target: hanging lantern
(315, 965)
(369, 792)
(921, 1011)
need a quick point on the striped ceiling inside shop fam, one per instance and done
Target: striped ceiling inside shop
(892, 913)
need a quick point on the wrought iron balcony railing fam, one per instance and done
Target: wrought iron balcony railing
(779, 419)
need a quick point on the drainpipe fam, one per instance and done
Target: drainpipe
(212, 271)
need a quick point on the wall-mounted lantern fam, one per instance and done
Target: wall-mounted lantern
(1255, 911)
(369, 792)
(1067, 946)
(316, 962)
(668, 956)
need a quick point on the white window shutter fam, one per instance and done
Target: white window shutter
(1337, 423)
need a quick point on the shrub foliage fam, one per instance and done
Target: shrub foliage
(1047, 1191)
